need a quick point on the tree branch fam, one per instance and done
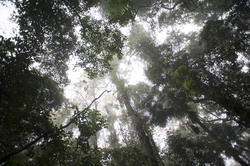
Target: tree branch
(169, 8)
(199, 100)
(8, 156)
(72, 120)
(66, 3)
(218, 119)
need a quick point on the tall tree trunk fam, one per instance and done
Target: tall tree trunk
(223, 144)
(160, 162)
(144, 138)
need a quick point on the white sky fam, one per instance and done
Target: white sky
(7, 27)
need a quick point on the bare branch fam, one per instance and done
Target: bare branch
(79, 113)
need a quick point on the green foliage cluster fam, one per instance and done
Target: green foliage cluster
(181, 76)
(121, 11)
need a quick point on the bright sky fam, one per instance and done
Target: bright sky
(7, 27)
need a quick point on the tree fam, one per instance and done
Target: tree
(175, 87)
(28, 100)
(197, 78)
(127, 156)
(30, 96)
(187, 148)
(48, 28)
(148, 147)
(210, 63)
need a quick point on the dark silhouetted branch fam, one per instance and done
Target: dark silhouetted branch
(72, 120)
(8, 156)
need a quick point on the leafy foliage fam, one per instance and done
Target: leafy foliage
(127, 156)
(206, 71)
(48, 28)
(185, 148)
(121, 11)
(28, 101)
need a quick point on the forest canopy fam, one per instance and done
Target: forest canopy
(198, 81)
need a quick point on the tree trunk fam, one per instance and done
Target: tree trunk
(160, 162)
(147, 147)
